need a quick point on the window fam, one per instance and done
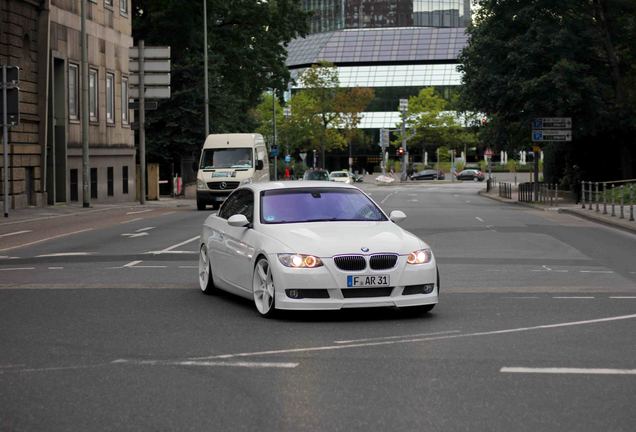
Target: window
(94, 183)
(92, 95)
(240, 202)
(73, 92)
(124, 100)
(123, 7)
(74, 185)
(108, 3)
(110, 174)
(124, 179)
(110, 98)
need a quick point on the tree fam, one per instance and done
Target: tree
(549, 58)
(247, 42)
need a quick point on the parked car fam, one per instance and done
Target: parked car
(316, 174)
(341, 177)
(471, 174)
(357, 178)
(314, 246)
(428, 174)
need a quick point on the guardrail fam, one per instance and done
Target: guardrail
(619, 193)
(545, 193)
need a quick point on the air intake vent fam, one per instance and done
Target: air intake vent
(350, 262)
(382, 262)
(367, 292)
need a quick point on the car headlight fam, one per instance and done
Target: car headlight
(246, 181)
(299, 261)
(421, 256)
(201, 184)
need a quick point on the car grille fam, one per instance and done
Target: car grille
(219, 185)
(382, 262)
(366, 292)
(350, 262)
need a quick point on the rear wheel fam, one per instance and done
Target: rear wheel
(263, 288)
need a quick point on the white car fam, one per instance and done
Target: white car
(341, 177)
(314, 245)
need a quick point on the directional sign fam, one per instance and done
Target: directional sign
(551, 135)
(153, 52)
(552, 123)
(150, 79)
(151, 93)
(148, 105)
(384, 138)
(150, 66)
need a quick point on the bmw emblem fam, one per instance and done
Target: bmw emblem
(364, 249)
(223, 185)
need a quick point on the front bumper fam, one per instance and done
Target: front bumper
(209, 196)
(330, 282)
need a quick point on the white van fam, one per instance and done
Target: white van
(228, 161)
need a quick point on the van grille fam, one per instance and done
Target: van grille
(219, 185)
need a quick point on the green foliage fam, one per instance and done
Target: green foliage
(247, 50)
(547, 58)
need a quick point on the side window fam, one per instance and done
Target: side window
(240, 202)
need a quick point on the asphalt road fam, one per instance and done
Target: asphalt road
(105, 329)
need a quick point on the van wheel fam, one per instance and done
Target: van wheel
(200, 205)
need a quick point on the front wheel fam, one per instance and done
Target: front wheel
(206, 282)
(200, 205)
(263, 288)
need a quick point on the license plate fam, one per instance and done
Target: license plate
(368, 281)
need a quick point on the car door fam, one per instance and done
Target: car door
(236, 248)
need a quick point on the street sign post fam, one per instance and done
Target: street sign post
(552, 123)
(542, 135)
(9, 116)
(548, 129)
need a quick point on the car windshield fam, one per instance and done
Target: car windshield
(316, 175)
(338, 174)
(226, 158)
(317, 205)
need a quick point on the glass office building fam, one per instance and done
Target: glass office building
(396, 47)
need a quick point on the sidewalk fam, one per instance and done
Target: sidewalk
(576, 210)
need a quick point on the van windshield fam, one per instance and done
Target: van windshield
(226, 158)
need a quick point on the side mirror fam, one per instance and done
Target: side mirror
(397, 216)
(238, 220)
(259, 165)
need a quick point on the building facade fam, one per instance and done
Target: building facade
(42, 37)
(395, 47)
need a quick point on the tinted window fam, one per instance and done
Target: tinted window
(240, 202)
(317, 204)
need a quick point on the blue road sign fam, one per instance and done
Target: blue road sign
(274, 151)
(537, 135)
(287, 158)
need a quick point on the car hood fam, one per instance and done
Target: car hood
(325, 239)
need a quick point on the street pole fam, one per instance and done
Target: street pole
(205, 68)
(404, 104)
(5, 142)
(86, 192)
(142, 125)
(274, 133)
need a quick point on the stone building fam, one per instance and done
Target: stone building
(42, 37)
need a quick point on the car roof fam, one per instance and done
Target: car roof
(305, 184)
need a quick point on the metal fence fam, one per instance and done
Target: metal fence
(544, 193)
(618, 196)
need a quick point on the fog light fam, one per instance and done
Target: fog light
(428, 288)
(293, 293)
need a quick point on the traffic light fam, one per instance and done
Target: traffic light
(13, 96)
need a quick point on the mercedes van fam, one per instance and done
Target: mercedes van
(228, 161)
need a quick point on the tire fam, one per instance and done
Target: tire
(206, 281)
(200, 205)
(263, 289)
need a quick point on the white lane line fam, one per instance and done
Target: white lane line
(134, 235)
(175, 246)
(523, 298)
(15, 233)
(491, 228)
(135, 264)
(17, 268)
(145, 229)
(56, 268)
(252, 365)
(387, 197)
(140, 211)
(394, 337)
(46, 239)
(479, 219)
(573, 297)
(172, 252)
(188, 267)
(131, 264)
(415, 340)
(52, 369)
(131, 220)
(622, 297)
(555, 370)
(596, 271)
(65, 254)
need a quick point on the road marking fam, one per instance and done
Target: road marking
(17, 268)
(56, 268)
(134, 235)
(585, 371)
(140, 211)
(415, 340)
(135, 264)
(491, 228)
(479, 219)
(623, 297)
(394, 337)
(523, 297)
(572, 297)
(171, 252)
(131, 220)
(145, 229)
(414, 200)
(64, 254)
(252, 365)
(15, 233)
(387, 197)
(548, 269)
(174, 246)
(188, 267)
(595, 271)
(46, 239)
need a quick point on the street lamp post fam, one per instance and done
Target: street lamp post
(205, 68)
(287, 115)
(404, 106)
